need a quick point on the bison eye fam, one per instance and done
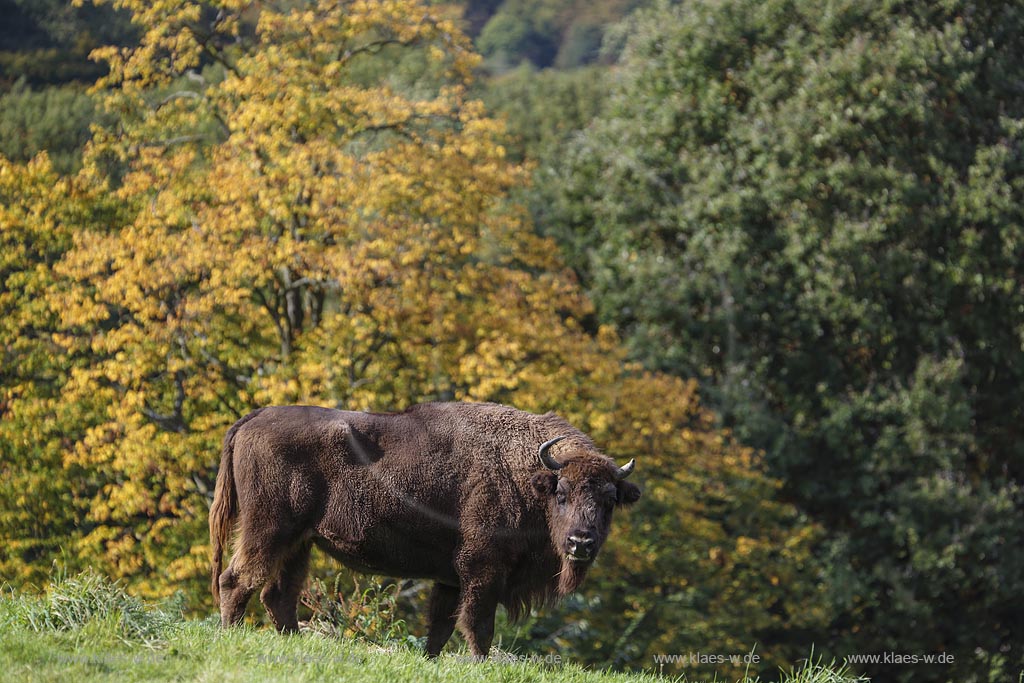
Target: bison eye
(560, 497)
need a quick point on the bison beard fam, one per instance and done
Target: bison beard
(468, 495)
(571, 576)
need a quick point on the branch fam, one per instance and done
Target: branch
(274, 314)
(181, 94)
(205, 40)
(372, 47)
(175, 422)
(168, 142)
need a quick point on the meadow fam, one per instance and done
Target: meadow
(89, 628)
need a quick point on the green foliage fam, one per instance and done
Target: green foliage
(520, 33)
(581, 45)
(543, 108)
(55, 119)
(477, 12)
(816, 208)
(367, 614)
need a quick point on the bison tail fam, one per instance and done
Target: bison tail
(225, 504)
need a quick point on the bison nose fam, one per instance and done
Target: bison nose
(581, 544)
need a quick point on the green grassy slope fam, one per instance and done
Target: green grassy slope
(87, 628)
(198, 650)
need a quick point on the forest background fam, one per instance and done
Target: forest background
(770, 248)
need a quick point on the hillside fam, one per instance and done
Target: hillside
(546, 33)
(48, 41)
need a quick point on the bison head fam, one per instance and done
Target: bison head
(581, 493)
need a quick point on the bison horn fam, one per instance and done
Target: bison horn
(626, 469)
(548, 461)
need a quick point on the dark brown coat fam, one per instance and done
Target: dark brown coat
(452, 492)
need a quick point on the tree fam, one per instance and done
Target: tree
(43, 499)
(518, 33)
(816, 209)
(561, 33)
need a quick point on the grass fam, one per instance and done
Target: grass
(87, 628)
(90, 605)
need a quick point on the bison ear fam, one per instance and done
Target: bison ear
(629, 493)
(544, 483)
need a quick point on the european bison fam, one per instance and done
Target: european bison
(495, 505)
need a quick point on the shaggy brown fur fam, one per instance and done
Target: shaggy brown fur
(452, 492)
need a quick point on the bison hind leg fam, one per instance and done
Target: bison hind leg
(260, 561)
(281, 593)
(235, 592)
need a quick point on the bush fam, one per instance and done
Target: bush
(367, 614)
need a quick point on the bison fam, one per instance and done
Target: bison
(492, 504)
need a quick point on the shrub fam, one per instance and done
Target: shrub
(367, 614)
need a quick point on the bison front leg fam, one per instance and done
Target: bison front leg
(444, 602)
(479, 602)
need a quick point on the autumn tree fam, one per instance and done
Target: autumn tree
(43, 499)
